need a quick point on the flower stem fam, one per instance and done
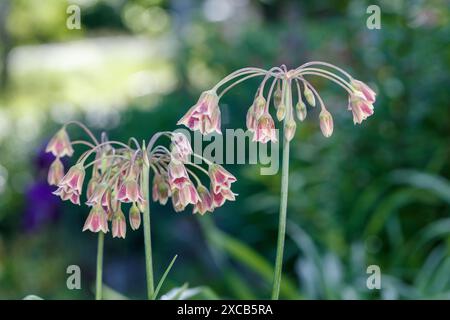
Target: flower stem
(147, 234)
(281, 221)
(98, 285)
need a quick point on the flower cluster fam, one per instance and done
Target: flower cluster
(119, 175)
(284, 86)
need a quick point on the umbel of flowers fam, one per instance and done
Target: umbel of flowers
(119, 176)
(287, 93)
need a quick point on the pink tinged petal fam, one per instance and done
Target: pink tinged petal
(60, 144)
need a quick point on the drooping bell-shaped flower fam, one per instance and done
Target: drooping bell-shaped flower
(98, 194)
(160, 189)
(135, 217)
(119, 225)
(205, 203)
(265, 129)
(178, 176)
(68, 194)
(188, 195)
(221, 179)
(367, 92)
(360, 108)
(73, 180)
(220, 197)
(97, 220)
(129, 191)
(55, 172)
(204, 115)
(326, 123)
(60, 145)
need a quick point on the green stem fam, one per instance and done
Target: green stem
(147, 235)
(98, 285)
(283, 207)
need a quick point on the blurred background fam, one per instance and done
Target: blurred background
(375, 194)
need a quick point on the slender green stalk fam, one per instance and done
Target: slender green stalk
(147, 235)
(98, 284)
(281, 221)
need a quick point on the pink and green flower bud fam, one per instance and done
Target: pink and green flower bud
(309, 95)
(55, 172)
(135, 217)
(259, 105)
(73, 180)
(300, 107)
(160, 189)
(326, 123)
(181, 148)
(281, 112)
(205, 202)
(177, 205)
(220, 197)
(265, 129)
(60, 145)
(277, 97)
(366, 91)
(119, 224)
(221, 179)
(129, 191)
(204, 115)
(360, 108)
(97, 220)
(289, 129)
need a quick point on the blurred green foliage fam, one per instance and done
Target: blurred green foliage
(378, 193)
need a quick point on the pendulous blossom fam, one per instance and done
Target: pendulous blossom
(60, 145)
(97, 220)
(360, 108)
(178, 176)
(119, 225)
(55, 172)
(130, 191)
(265, 129)
(221, 179)
(160, 189)
(220, 197)
(181, 148)
(204, 115)
(366, 91)
(73, 180)
(205, 201)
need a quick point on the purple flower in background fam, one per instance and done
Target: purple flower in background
(41, 206)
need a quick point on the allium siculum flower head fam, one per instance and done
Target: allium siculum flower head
(97, 220)
(135, 217)
(178, 176)
(181, 148)
(160, 189)
(204, 115)
(360, 107)
(265, 129)
(366, 91)
(119, 224)
(55, 172)
(205, 202)
(60, 144)
(73, 180)
(129, 191)
(221, 179)
(326, 123)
